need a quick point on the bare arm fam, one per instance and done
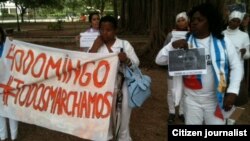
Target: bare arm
(96, 45)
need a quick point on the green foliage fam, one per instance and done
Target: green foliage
(3, 0)
(8, 16)
(58, 15)
(4, 12)
(56, 26)
(60, 9)
(109, 13)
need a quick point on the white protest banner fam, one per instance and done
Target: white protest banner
(87, 38)
(62, 90)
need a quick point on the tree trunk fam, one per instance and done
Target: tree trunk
(156, 33)
(102, 6)
(35, 14)
(22, 19)
(155, 18)
(115, 8)
(17, 17)
(123, 13)
(136, 10)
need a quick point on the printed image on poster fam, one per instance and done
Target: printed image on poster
(187, 62)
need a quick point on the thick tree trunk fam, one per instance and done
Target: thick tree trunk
(115, 8)
(123, 13)
(17, 17)
(156, 18)
(136, 16)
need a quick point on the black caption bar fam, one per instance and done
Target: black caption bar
(208, 132)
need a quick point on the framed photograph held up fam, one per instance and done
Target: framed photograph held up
(187, 62)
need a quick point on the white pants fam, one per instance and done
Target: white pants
(200, 109)
(124, 133)
(170, 99)
(13, 125)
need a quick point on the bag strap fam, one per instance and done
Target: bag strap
(123, 45)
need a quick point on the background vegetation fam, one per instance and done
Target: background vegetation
(153, 18)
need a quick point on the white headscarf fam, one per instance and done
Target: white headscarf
(181, 15)
(236, 14)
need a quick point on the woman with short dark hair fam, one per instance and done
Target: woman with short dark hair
(108, 42)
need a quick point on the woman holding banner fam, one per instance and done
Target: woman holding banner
(107, 42)
(13, 124)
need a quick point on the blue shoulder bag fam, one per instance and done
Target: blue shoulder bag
(139, 86)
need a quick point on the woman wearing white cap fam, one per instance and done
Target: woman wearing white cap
(174, 83)
(239, 39)
(241, 42)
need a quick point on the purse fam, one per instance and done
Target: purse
(139, 86)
